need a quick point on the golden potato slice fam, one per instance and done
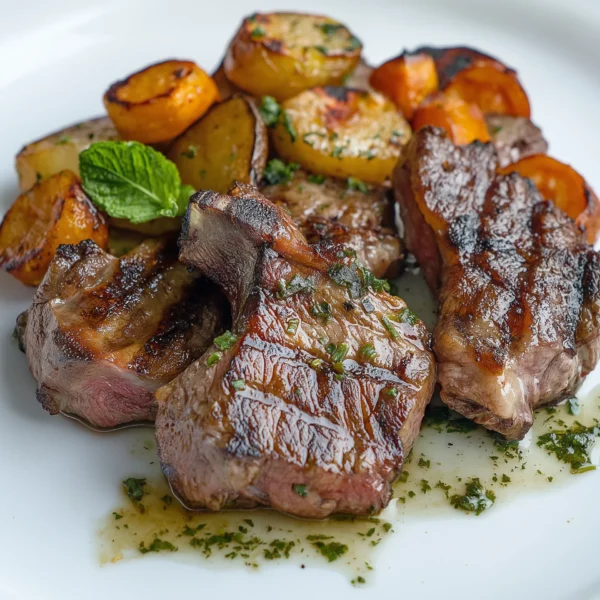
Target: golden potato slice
(342, 132)
(161, 101)
(228, 144)
(282, 54)
(59, 151)
(54, 212)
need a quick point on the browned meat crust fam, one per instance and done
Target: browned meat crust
(104, 333)
(361, 220)
(515, 138)
(518, 287)
(294, 414)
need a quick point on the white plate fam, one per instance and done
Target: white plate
(59, 480)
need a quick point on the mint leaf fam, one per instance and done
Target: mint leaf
(184, 198)
(129, 180)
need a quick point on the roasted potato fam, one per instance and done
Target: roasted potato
(59, 151)
(283, 54)
(228, 144)
(225, 87)
(160, 102)
(480, 79)
(565, 187)
(463, 121)
(407, 80)
(53, 212)
(341, 132)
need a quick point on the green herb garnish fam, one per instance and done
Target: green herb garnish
(270, 110)
(225, 341)
(190, 152)
(63, 139)
(297, 284)
(277, 171)
(258, 32)
(319, 179)
(391, 329)
(330, 28)
(129, 180)
(134, 488)
(156, 546)
(407, 316)
(368, 351)
(300, 489)
(338, 353)
(292, 326)
(572, 446)
(476, 498)
(330, 550)
(352, 183)
(238, 384)
(289, 126)
(322, 311)
(213, 359)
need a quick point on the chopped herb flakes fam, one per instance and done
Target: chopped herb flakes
(407, 316)
(572, 445)
(270, 110)
(257, 32)
(117, 516)
(295, 285)
(300, 489)
(322, 311)
(278, 172)
(352, 183)
(289, 126)
(476, 498)
(238, 384)
(330, 550)
(225, 340)
(356, 279)
(156, 546)
(573, 406)
(292, 326)
(319, 179)
(338, 353)
(390, 327)
(213, 359)
(190, 152)
(315, 363)
(135, 488)
(63, 139)
(368, 351)
(425, 464)
(329, 28)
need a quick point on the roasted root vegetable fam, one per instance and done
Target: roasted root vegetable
(342, 132)
(225, 87)
(59, 151)
(480, 79)
(228, 144)
(161, 101)
(53, 212)
(565, 187)
(463, 121)
(407, 80)
(282, 54)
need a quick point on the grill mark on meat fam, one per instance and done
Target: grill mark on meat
(274, 412)
(518, 322)
(103, 333)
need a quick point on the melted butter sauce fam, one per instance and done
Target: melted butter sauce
(445, 457)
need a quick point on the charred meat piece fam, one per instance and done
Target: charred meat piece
(515, 138)
(518, 284)
(104, 333)
(312, 403)
(324, 208)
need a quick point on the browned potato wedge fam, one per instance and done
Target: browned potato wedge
(154, 228)
(161, 101)
(225, 87)
(53, 212)
(59, 151)
(282, 54)
(342, 132)
(228, 144)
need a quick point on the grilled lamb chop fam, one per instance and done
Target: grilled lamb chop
(518, 284)
(311, 405)
(364, 220)
(515, 138)
(104, 333)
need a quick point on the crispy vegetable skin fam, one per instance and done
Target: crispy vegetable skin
(161, 101)
(54, 212)
(228, 144)
(480, 79)
(225, 87)
(463, 121)
(282, 54)
(407, 80)
(342, 132)
(565, 187)
(59, 151)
